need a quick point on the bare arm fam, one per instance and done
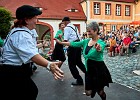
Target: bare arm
(39, 60)
(63, 43)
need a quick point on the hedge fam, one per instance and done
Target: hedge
(5, 22)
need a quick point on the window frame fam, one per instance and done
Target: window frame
(126, 10)
(107, 10)
(118, 10)
(97, 9)
(113, 27)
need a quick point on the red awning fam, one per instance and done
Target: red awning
(135, 23)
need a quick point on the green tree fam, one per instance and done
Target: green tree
(5, 22)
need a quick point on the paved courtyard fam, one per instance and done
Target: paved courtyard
(126, 84)
(122, 67)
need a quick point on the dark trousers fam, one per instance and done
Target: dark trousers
(16, 83)
(74, 59)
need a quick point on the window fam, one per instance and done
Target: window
(113, 27)
(118, 10)
(72, 10)
(124, 27)
(97, 8)
(127, 10)
(107, 9)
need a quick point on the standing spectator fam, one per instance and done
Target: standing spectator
(97, 74)
(18, 51)
(74, 54)
(58, 52)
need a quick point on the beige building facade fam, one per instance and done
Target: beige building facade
(111, 14)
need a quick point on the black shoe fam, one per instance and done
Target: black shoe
(77, 83)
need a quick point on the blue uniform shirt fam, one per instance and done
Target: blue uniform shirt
(70, 34)
(35, 35)
(19, 48)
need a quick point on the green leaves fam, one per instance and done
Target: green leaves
(5, 22)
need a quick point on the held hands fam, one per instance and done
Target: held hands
(56, 71)
(58, 41)
(60, 35)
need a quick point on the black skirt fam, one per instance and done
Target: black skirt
(58, 53)
(97, 76)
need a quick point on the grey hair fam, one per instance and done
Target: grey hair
(94, 26)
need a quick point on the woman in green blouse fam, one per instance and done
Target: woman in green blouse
(97, 75)
(58, 52)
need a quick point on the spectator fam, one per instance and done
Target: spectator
(118, 45)
(137, 34)
(112, 46)
(125, 44)
(132, 45)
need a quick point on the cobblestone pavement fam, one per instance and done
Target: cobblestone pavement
(121, 69)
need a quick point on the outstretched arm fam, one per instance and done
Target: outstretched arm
(53, 66)
(63, 43)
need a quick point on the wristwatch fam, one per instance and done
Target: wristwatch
(48, 66)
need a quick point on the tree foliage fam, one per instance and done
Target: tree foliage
(5, 22)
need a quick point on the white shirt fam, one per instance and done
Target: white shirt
(19, 48)
(35, 35)
(70, 34)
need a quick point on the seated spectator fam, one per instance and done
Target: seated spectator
(112, 46)
(137, 34)
(125, 44)
(118, 45)
(102, 37)
(132, 45)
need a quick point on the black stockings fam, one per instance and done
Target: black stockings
(102, 94)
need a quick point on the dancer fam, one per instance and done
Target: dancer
(97, 75)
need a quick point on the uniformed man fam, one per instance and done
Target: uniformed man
(74, 54)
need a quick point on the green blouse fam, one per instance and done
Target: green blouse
(59, 32)
(93, 54)
(1, 42)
